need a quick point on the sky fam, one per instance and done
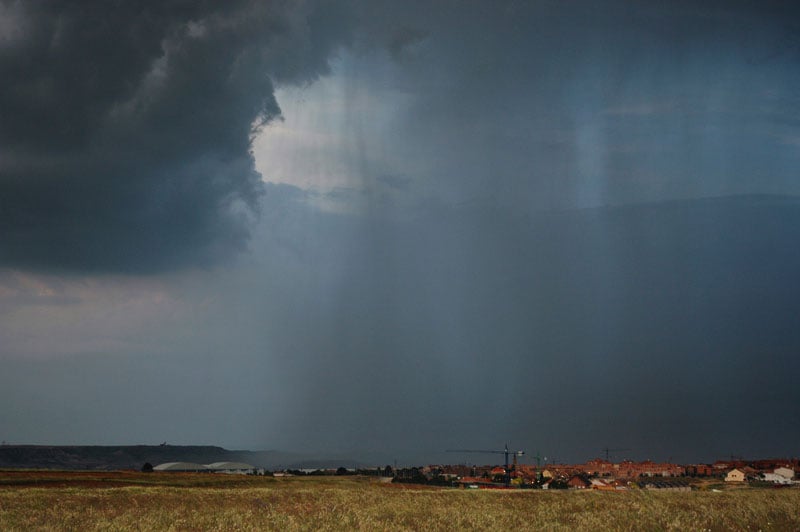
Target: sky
(385, 229)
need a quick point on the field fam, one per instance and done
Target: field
(39, 500)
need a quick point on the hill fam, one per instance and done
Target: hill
(111, 457)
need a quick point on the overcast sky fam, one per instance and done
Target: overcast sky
(392, 228)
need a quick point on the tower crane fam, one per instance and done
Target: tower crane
(539, 458)
(505, 452)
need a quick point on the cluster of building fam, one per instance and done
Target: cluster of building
(595, 474)
(605, 475)
(604, 468)
(780, 475)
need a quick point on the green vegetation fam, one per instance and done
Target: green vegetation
(142, 501)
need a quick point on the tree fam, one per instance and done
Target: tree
(147, 467)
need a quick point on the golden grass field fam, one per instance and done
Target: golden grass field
(179, 501)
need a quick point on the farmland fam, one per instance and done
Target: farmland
(47, 500)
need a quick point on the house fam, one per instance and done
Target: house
(735, 475)
(699, 470)
(785, 472)
(775, 478)
(599, 467)
(578, 482)
(474, 483)
(599, 484)
(498, 474)
(749, 472)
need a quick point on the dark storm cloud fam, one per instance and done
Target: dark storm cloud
(541, 105)
(126, 127)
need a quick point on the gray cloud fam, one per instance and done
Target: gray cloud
(126, 128)
(405, 42)
(541, 107)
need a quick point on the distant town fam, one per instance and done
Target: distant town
(595, 474)
(606, 475)
(598, 474)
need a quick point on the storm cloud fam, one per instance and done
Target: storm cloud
(127, 131)
(540, 106)
(126, 128)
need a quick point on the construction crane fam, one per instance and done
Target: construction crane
(539, 458)
(505, 452)
(609, 451)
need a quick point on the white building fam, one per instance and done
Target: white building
(734, 475)
(776, 478)
(231, 467)
(180, 466)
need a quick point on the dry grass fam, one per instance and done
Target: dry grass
(133, 501)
